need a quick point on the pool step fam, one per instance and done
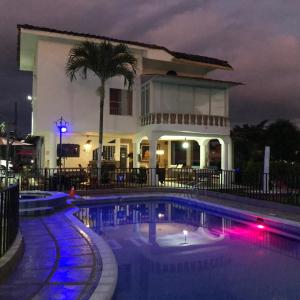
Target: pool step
(43, 202)
(39, 203)
(36, 211)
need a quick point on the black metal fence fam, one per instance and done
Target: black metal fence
(9, 216)
(88, 179)
(284, 189)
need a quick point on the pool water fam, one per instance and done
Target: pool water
(171, 250)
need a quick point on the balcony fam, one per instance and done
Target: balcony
(184, 119)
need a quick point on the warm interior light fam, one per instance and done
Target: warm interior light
(87, 146)
(160, 152)
(185, 144)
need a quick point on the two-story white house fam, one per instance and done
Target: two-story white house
(170, 116)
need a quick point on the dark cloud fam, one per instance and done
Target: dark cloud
(260, 38)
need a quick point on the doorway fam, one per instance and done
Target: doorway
(123, 156)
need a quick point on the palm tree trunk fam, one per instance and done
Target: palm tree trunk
(100, 149)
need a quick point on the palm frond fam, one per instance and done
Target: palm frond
(104, 59)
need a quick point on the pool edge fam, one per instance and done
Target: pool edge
(109, 275)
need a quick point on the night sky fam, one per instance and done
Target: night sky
(259, 38)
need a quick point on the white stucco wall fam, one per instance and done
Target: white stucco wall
(76, 101)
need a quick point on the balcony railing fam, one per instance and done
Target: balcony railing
(185, 119)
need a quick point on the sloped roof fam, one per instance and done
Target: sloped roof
(147, 77)
(178, 55)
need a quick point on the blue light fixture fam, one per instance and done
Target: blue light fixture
(61, 125)
(63, 129)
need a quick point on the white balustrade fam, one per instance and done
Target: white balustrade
(184, 119)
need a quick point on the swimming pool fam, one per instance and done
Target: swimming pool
(168, 248)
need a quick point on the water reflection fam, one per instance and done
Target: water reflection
(150, 220)
(157, 216)
(218, 258)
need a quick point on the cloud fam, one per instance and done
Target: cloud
(260, 38)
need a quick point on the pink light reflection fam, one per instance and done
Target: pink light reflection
(260, 226)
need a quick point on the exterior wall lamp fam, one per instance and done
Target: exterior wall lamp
(185, 144)
(87, 146)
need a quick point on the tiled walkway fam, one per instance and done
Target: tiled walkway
(58, 262)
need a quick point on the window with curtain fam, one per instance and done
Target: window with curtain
(217, 102)
(145, 100)
(120, 102)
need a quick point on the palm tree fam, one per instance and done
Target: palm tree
(105, 60)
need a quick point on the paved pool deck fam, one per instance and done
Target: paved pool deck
(58, 263)
(268, 208)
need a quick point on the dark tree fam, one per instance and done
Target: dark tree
(284, 139)
(248, 143)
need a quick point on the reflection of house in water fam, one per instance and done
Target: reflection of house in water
(156, 231)
(153, 214)
(148, 241)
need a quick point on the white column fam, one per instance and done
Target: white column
(230, 156)
(203, 152)
(152, 178)
(169, 154)
(136, 150)
(224, 155)
(152, 150)
(188, 155)
(135, 154)
(117, 150)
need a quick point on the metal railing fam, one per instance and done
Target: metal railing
(284, 189)
(269, 187)
(9, 216)
(185, 119)
(87, 178)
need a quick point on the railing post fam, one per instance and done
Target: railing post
(45, 179)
